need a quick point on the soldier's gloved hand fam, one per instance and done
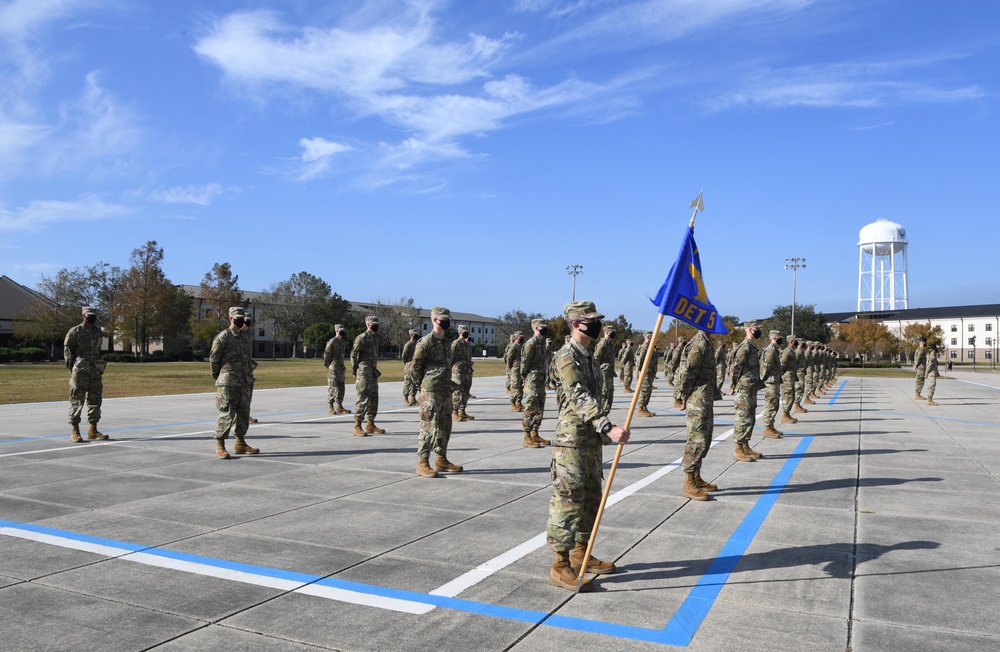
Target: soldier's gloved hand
(354, 370)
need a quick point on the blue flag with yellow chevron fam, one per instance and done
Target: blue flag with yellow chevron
(683, 294)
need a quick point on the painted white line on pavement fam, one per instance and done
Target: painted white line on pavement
(974, 383)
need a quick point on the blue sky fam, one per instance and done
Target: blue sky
(464, 153)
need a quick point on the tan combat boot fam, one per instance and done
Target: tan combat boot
(918, 397)
(424, 469)
(707, 487)
(740, 455)
(678, 404)
(771, 433)
(800, 409)
(341, 410)
(562, 575)
(331, 409)
(242, 448)
(513, 407)
(94, 434)
(787, 418)
(442, 464)
(462, 416)
(358, 430)
(808, 401)
(751, 452)
(529, 442)
(372, 429)
(75, 433)
(220, 449)
(643, 412)
(538, 440)
(931, 401)
(594, 565)
(252, 419)
(520, 406)
(691, 489)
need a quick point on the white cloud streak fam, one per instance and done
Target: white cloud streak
(197, 195)
(37, 215)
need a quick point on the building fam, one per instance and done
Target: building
(970, 332)
(15, 299)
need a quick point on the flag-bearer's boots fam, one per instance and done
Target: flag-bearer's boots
(594, 565)
(707, 487)
(341, 410)
(538, 440)
(800, 409)
(691, 490)
(372, 429)
(424, 469)
(462, 416)
(358, 430)
(529, 442)
(751, 452)
(75, 434)
(918, 397)
(740, 455)
(242, 448)
(771, 433)
(788, 418)
(94, 434)
(331, 409)
(253, 420)
(931, 401)
(643, 412)
(562, 574)
(220, 449)
(443, 465)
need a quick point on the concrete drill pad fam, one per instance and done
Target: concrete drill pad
(109, 489)
(219, 637)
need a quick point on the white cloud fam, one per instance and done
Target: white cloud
(38, 215)
(197, 195)
(317, 156)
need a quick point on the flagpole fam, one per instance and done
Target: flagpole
(618, 453)
(696, 205)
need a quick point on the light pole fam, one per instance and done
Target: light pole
(794, 264)
(574, 271)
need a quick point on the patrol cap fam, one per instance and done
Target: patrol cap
(609, 327)
(462, 328)
(775, 334)
(537, 322)
(371, 319)
(922, 339)
(89, 310)
(412, 331)
(237, 311)
(438, 311)
(518, 334)
(581, 310)
(338, 327)
(648, 334)
(751, 324)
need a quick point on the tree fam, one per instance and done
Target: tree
(149, 307)
(809, 325)
(913, 332)
(106, 283)
(48, 321)
(513, 321)
(395, 319)
(220, 289)
(867, 337)
(315, 336)
(295, 304)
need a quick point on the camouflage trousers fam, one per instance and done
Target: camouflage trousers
(576, 483)
(720, 376)
(931, 386)
(409, 387)
(788, 393)
(700, 418)
(627, 371)
(772, 402)
(233, 404)
(435, 423)
(745, 416)
(646, 389)
(608, 392)
(810, 382)
(668, 375)
(366, 386)
(534, 402)
(800, 388)
(89, 390)
(516, 386)
(921, 370)
(335, 386)
(460, 397)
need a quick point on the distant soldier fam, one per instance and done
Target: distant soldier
(230, 363)
(82, 352)
(646, 381)
(668, 358)
(409, 387)
(364, 365)
(510, 345)
(788, 377)
(800, 377)
(576, 467)
(604, 354)
(931, 373)
(333, 360)
(247, 333)
(534, 371)
(720, 366)
(432, 372)
(461, 374)
(919, 366)
(628, 365)
(550, 355)
(746, 383)
(698, 391)
(770, 375)
(677, 360)
(512, 358)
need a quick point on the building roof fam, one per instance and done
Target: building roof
(15, 298)
(917, 314)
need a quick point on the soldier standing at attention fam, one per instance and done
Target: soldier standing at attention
(247, 333)
(461, 374)
(788, 367)
(230, 369)
(746, 383)
(645, 382)
(432, 372)
(409, 387)
(668, 357)
(534, 371)
(576, 467)
(604, 354)
(628, 365)
(919, 366)
(770, 374)
(82, 352)
(932, 373)
(506, 353)
(720, 366)
(364, 365)
(681, 359)
(333, 360)
(698, 392)
(512, 358)
(800, 376)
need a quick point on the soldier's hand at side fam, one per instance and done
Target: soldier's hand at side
(618, 434)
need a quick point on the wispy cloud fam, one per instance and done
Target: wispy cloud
(198, 195)
(317, 156)
(37, 215)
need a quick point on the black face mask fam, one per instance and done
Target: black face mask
(444, 323)
(90, 319)
(543, 331)
(238, 322)
(591, 329)
(755, 333)
(374, 328)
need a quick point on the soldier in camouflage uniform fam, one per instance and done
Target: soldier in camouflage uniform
(668, 359)
(333, 360)
(745, 385)
(628, 365)
(720, 366)
(770, 374)
(406, 355)
(788, 373)
(646, 381)
(247, 333)
(432, 372)
(461, 374)
(920, 367)
(364, 365)
(82, 352)
(678, 360)
(810, 374)
(604, 354)
(230, 363)
(506, 351)
(534, 371)
(800, 376)
(512, 358)
(931, 373)
(698, 391)
(576, 467)
(550, 356)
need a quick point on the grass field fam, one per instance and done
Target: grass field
(32, 383)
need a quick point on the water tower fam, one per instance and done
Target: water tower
(882, 267)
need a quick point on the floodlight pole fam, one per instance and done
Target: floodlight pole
(794, 264)
(574, 271)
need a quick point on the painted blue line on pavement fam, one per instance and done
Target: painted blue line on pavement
(833, 399)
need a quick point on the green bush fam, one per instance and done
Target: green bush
(200, 355)
(29, 354)
(6, 355)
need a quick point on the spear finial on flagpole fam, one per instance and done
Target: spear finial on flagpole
(697, 205)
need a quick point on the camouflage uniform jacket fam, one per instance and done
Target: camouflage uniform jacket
(334, 353)
(431, 365)
(229, 359)
(698, 369)
(580, 418)
(534, 358)
(919, 356)
(365, 351)
(461, 358)
(770, 370)
(932, 366)
(682, 359)
(746, 368)
(605, 357)
(720, 356)
(82, 349)
(800, 362)
(789, 361)
(406, 355)
(512, 355)
(675, 357)
(627, 356)
(247, 337)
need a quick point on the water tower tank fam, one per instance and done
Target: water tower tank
(882, 267)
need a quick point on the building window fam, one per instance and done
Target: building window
(954, 354)
(989, 341)
(425, 328)
(972, 328)
(260, 332)
(972, 340)
(989, 354)
(954, 328)
(954, 341)
(260, 347)
(972, 354)
(989, 327)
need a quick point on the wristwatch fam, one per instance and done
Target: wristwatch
(607, 428)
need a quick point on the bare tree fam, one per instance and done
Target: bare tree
(48, 321)
(395, 319)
